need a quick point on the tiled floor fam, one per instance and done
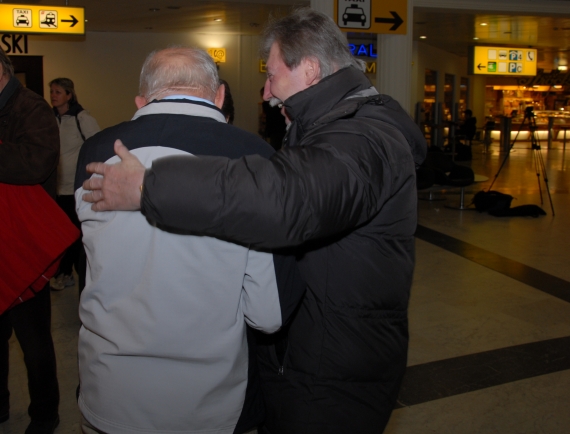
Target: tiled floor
(482, 295)
(65, 326)
(487, 353)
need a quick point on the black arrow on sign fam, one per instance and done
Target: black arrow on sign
(73, 20)
(480, 67)
(397, 21)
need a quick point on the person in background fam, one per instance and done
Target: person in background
(228, 105)
(75, 126)
(275, 126)
(342, 191)
(29, 149)
(261, 116)
(469, 126)
(163, 346)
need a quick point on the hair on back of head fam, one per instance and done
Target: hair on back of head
(6, 63)
(228, 105)
(306, 33)
(177, 69)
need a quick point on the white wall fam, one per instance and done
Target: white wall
(105, 68)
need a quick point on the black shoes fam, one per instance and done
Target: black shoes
(42, 427)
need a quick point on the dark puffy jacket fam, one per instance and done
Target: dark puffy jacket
(344, 192)
(29, 138)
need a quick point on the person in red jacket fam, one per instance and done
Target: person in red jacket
(29, 152)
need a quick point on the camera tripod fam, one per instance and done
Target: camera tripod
(537, 158)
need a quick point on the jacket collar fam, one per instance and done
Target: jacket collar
(317, 100)
(74, 110)
(305, 107)
(181, 107)
(11, 87)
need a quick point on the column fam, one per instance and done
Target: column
(394, 64)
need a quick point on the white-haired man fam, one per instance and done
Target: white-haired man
(163, 345)
(343, 191)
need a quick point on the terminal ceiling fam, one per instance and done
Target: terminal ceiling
(451, 30)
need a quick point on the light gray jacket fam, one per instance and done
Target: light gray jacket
(162, 347)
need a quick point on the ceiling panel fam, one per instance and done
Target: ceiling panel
(454, 31)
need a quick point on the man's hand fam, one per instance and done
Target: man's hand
(119, 188)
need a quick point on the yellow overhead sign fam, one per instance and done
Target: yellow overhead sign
(502, 61)
(41, 19)
(372, 16)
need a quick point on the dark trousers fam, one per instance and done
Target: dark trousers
(75, 254)
(31, 321)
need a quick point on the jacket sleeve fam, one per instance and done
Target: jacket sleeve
(260, 297)
(31, 153)
(300, 194)
(89, 125)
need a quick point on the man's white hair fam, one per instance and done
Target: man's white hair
(185, 70)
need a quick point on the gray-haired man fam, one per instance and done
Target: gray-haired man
(343, 192)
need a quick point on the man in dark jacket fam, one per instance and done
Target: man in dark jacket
(343, 191)
(29, 151)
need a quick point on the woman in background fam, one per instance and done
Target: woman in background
(75, 126)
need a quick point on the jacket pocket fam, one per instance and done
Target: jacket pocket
(364, 344)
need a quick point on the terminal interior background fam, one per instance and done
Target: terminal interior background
(489, 311)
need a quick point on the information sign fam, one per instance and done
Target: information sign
(502, 61)
(41, 19)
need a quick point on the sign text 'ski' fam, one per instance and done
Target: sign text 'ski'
(372, 16)
(41, 19)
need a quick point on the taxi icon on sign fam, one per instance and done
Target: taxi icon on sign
(354, 14)
(22, 20)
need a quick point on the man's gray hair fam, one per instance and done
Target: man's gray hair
(307, 33)
(6, 63)
(185, 70)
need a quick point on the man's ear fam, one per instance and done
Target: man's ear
(140, 101)
(312, 70)
(220, 95)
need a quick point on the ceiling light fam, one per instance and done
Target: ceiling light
(562, 68)
(423, 37)
(217, 19)
(483, 24)
(475, 38)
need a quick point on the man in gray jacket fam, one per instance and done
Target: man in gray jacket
(343, 192)
(163, 345)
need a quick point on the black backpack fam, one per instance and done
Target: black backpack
(499, 205)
